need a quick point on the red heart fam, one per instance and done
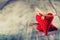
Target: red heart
(44, 24)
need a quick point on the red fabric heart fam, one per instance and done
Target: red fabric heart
(46, 23)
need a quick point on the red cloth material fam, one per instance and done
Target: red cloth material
(45, 24)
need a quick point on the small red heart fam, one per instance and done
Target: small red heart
(45, 23)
